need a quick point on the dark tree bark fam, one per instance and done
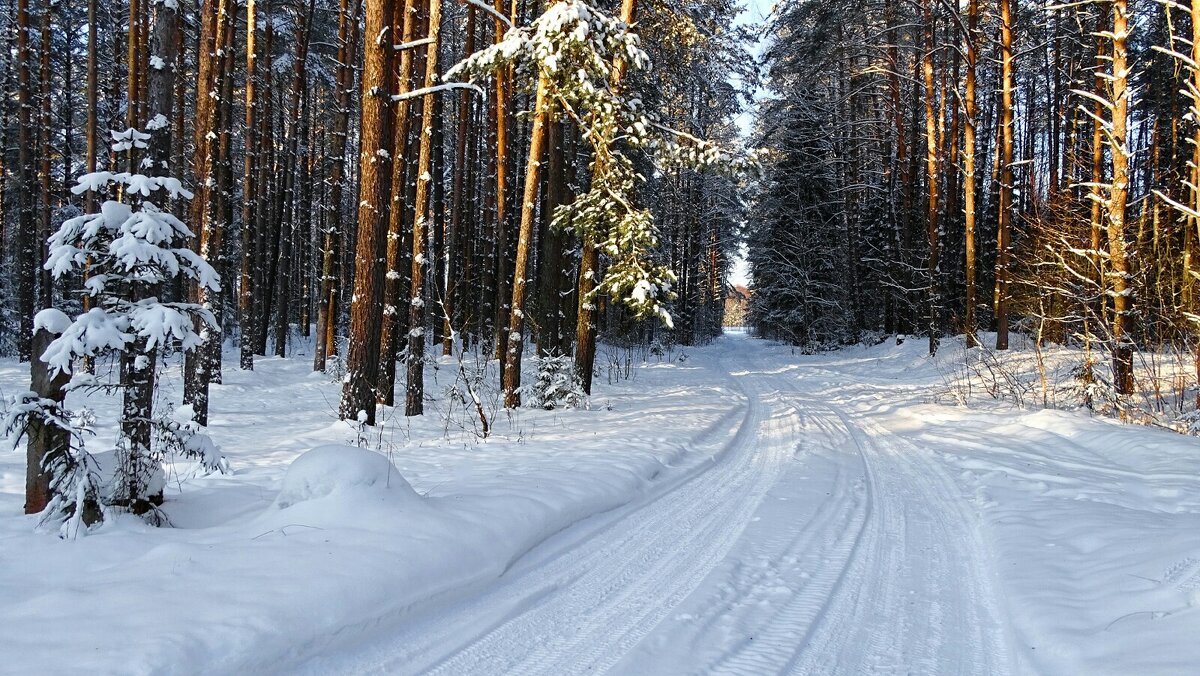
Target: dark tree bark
(28, 264)
(44, 440)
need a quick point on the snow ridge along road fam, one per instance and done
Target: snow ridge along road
(813, 544)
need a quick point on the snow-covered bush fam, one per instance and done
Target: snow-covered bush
(471, 401)
(1189, 422)
(1092, 388)
(181, 435)
(871, 337)
(557, 384)
(130, 249)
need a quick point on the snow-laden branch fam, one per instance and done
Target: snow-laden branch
(413, 44)
(418, 93)
(491, 10)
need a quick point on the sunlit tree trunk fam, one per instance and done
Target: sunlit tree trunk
(1004, 226)
(249, 192)
(969, 183)
(516, 321)
(931, 176)
(502, 102)
(362, 361)
(414, 392)
(1122, 291)
(395, 318)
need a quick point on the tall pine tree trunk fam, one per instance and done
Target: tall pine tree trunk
(249, 193)
(327, 307)
(511, 381)
(502, 272)
(1191, 221)
(931, 177)
(414, 392)
(28, 265)
(212, 13)
(1004, 226)
(362, 360)
(293, 134)
(461, 184)
(1122, 290)
(969, 183)
(45, 280)
(395, 318)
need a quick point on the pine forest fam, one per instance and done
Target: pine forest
(600, 336)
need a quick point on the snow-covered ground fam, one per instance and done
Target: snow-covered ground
(743, 510)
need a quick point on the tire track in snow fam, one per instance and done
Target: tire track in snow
(829, 540)
(979, 615)
(900, 585)
(816, 542)
(635, 537)
(638, 577)
(922, 600)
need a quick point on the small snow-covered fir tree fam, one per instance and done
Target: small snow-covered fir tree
(130, 249)
(557, 384)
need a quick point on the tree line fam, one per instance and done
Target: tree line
(270, 110)
(991, 165)
(380, 179)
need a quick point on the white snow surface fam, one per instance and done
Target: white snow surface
(332, 471)
(744, 510)
(51, 319)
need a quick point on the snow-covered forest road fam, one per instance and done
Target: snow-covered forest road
(739, 508)
(814, 544)
(820, 541)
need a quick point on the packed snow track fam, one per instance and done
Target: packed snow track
(813, 542)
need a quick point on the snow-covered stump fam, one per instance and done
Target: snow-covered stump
(44, 439)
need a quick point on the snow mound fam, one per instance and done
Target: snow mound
(333, 470)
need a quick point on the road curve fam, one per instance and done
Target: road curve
(815, 543)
